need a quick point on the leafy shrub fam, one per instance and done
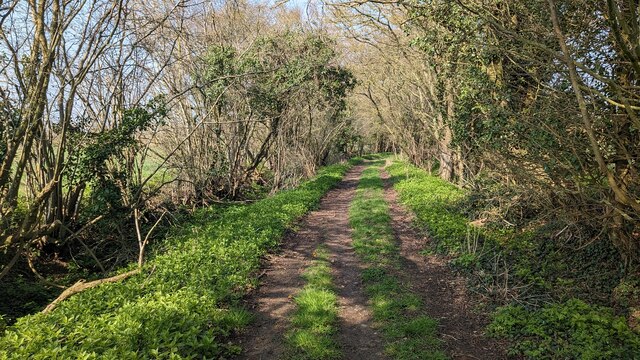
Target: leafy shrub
(627, 293)
(569, 330)
(184, 304)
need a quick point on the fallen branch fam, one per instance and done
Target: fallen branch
(82, 286)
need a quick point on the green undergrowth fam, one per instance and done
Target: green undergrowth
(185, 303)
(547, 321)
(376, 157)
(314, 322)
(409, 334)
(568, 330)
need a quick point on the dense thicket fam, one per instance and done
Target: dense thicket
(533, 104)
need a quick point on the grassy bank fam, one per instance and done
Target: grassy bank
(546, 311)
(184, 304)
(409, 334)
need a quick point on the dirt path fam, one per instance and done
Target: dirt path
(443, 292)
(282, 280)
(357, 337)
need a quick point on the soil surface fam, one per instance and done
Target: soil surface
(443, 293)
(272, 302)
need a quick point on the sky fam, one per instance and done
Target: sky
(301, 4)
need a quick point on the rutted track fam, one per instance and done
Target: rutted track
(282, 280)
(444, 294)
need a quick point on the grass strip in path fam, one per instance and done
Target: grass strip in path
(314, 322)
(272, 301)
(409, 333)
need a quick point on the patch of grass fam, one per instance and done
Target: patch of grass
(568, 330)
(186, 301)
(409, 334)
(158, 173)
(314, 322)
(373, 238)
(377, 156)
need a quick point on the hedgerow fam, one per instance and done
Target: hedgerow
(184, 304)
